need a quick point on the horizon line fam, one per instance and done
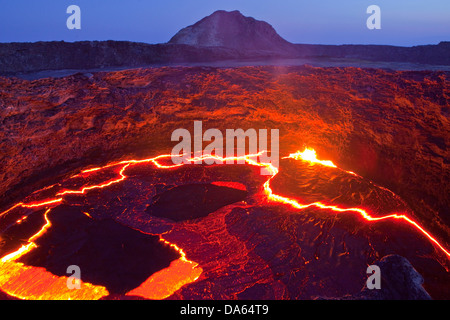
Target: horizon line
(167, 43)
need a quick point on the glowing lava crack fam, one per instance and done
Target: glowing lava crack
(15, 276)
(27, 282)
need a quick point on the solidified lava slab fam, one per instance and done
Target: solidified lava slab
(17, 234)
(192, 201)
(108, 253)
(299, 180)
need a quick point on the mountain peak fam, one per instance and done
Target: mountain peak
(231, 29)
(236, 12)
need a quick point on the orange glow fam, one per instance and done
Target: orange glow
(22, 219)
(174, 246)
(33, 205)
(310, 155)
(100, 186)
(87, 214)
(362, 212)
(36, 283)
(165, 282)
(26, 282)
(230, 184)
(42, 204)
(15, 278)
(122, 176)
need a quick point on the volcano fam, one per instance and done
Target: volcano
(88, 178)
(100, 159)
(233, 30)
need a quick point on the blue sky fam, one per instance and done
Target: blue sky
(403, 22)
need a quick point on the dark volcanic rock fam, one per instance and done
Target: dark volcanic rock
(15, 236)
(96, 55)
(399, 281)
(427, 54)
(108, 253)
(193, 201)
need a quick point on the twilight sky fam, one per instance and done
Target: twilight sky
(403, 22)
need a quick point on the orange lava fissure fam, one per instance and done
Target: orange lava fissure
(15, 278)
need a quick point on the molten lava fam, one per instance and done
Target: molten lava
(26, 282)
(15, 277)
(164, 283)
(310, 155)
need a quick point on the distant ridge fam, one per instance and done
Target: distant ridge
(221, 36)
